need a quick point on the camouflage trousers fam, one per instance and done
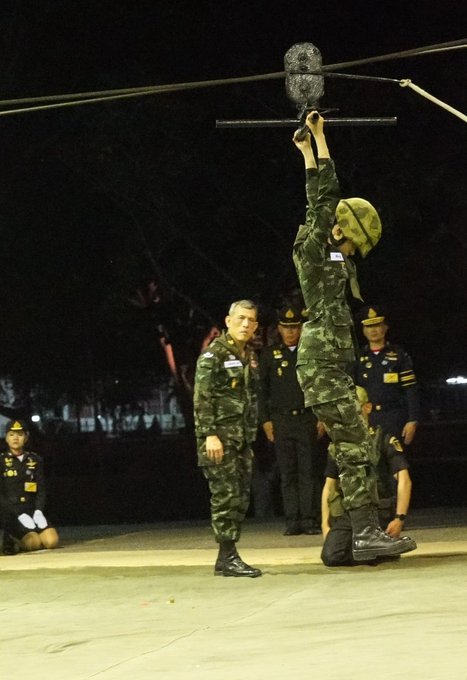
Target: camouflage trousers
(230, 486)
(330, 391)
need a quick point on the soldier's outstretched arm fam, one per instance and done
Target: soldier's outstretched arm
(311, 169)
(306, 149)
(316, 125)
(323, 196)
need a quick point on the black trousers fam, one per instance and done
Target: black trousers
(337, 547)
(391, 421)
(297, 452)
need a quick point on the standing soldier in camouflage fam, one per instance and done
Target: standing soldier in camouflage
(386, 372)
(332, 232)
(291, 428)
(226, 423)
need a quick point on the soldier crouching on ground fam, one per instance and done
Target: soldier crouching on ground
(393, 503)
(22, 495)
(226, 422)
(332, 232)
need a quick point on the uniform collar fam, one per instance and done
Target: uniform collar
(227, 341)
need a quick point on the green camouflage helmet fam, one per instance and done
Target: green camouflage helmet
(359, 222)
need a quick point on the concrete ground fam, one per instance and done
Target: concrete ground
(141, 602)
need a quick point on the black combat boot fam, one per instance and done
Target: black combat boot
(225, 549)
(229, 562)
(370, 541)
(10, 546)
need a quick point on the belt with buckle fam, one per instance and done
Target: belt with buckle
(292, 412)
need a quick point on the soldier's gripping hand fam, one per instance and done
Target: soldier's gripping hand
(315, 122)
(303, 144)
(214, 448)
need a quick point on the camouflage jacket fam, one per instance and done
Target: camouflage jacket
(226, 392)
(323, 273)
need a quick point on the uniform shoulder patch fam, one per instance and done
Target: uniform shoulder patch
(396, 444)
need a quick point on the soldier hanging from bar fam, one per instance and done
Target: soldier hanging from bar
(334, 229)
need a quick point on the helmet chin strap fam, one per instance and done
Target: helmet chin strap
(337, 241)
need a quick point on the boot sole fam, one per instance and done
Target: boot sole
(243, 575)
(219, 572)
(362, 555)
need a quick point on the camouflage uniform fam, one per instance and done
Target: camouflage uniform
(326, 349)
(225, 404)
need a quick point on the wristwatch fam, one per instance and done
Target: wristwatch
(401, 517)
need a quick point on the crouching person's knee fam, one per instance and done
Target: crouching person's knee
(31, 541)
(329, 558)
(335, 553)
(49, 538)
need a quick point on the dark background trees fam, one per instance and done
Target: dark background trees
(100, 202)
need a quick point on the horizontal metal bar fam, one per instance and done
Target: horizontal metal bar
(333, 122)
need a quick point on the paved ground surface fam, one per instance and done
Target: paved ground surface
(141, 602)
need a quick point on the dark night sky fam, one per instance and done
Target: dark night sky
(218, 209)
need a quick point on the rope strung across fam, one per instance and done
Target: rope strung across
(427, 95)
(329, 71)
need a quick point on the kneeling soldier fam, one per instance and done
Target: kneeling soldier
(22, 495)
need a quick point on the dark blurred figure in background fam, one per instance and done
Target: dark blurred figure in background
(291, 427)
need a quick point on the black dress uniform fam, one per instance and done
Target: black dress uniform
(295, 435)
(389, 378)
(22, 489)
